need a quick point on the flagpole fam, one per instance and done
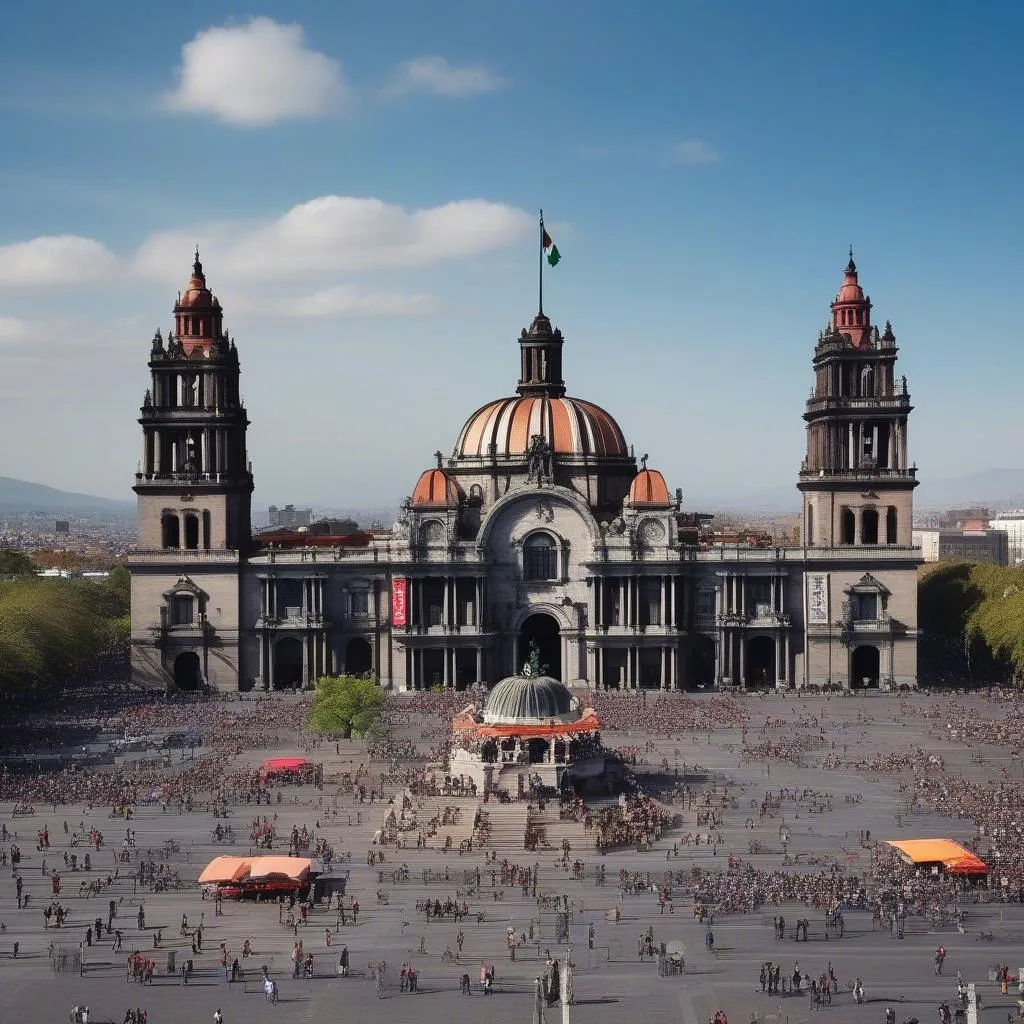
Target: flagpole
(540, 268)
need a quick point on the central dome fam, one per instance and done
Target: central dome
(570, 425)
(520, 699)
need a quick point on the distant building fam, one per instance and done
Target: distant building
(62, 528)
(928, 542)
(1012, 524)
(973, 546)
(290, 517)
(959, 518)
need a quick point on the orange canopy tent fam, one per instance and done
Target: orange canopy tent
(241, 869)
(953, 857)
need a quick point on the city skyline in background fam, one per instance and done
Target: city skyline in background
(364, 191)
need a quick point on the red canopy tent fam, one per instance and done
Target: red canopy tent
(283, 766)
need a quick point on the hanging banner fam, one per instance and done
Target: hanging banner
(817, 598)
(399, 606)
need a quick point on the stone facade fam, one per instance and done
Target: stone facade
(539, 528)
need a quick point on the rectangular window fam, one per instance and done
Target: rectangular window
(182, 610)
(865, 607)
(706, 604)
(361, 602)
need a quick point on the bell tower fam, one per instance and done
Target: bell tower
(856, 482)
(194, 487)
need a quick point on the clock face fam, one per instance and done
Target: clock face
(652, 531)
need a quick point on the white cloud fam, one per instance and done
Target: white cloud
(334, 234)
(12, 329)
(53, 260)
(347, 300)
(693, 151)
(437, 75)
(256, 74)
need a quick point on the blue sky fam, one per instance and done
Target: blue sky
(363, 180)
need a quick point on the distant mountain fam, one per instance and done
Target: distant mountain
(22, 495)
(995, 488)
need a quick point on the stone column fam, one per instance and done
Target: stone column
(741, 582)
(446, 620)
(743, 659)
(785, 659)
(270, 660)
(778, 658)
(718, 658)
(622, 601)
(445, 652)
(664, 601)
(305, 658)
(664, 667)
(852, 442)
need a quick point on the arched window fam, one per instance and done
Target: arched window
(847, 526)
(867, 382)
(869, 526)
(170, 530)
(890, 525)
(540, 558)
(191, 531)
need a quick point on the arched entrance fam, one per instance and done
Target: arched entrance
(865, 666)
(760, 661)
(703, 674)
(358, 657)
(288, 663)
(188, 674)
(541, 629)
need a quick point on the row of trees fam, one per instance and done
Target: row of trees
(972, 623)
(57, 631)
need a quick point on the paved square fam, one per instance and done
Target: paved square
(742, 774)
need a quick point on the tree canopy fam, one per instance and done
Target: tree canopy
(347, 706)
(972, 623)
(15, 563)
(55, 631)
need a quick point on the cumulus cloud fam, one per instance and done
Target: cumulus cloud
(53, 260)
(333, 234)
(438, 76)
(693, 151)
(256, 74)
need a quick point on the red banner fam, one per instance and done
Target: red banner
(399, 607)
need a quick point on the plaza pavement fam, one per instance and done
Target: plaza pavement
(611, 984)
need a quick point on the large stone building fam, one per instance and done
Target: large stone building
(540, 526)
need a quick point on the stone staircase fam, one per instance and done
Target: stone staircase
(554, 831)
(459, 830)
(507, 827)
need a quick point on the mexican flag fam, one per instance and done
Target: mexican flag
(551, 249)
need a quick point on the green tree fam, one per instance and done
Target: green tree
(347, 706)
(15, 563)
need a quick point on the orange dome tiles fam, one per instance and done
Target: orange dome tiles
(570, 426)
(649, 488)
(436, 488)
